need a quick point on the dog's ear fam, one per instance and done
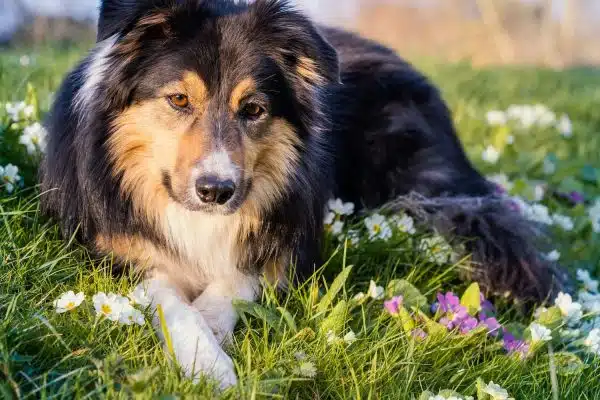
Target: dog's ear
(297, 41)
(117, 16)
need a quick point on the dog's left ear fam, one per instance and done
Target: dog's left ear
(296, 42)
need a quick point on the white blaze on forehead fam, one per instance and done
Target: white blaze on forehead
(94, 72)
(219, 164)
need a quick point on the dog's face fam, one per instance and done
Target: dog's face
(211, 103)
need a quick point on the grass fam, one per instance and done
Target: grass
(75, 355)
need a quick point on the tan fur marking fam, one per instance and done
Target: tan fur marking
(241, 90)
(307, 69)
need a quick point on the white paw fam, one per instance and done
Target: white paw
(219, 314)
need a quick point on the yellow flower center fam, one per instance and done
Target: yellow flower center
(70, 305)
(106, 309)
(376, 228)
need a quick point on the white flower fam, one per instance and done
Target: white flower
(349, 337)
(337, 228)
(9, 175)
(375, 292)
(68, 301)
(130, 315)
(378, 227)
(329, 218)
(539, 333)
(553, 256)
(353, 236)
(359, 297)
(565, 127)
(341, 208)
(14, 110)
(570, 310)
(549, 167)
(539, 311)
(437, 249)
(306, 369)
(497, 392)
(300, 355)
(109, 306)
(404, 223)
(139, 296)
(594, 214)
(590, 301)
(583, 276)
(502, 181)
(496, 117)
(593, 341)
(490, 155)
(565, 222)
(535, 212)
(25, 60)
(34, 138)
(331, 337)
(545, 116)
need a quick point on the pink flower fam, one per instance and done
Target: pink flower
(393, 305)
(419, 333)
(491, 324)
(515, 346)
(467, 325)
(448, 302)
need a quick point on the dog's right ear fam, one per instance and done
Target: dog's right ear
(117, 15)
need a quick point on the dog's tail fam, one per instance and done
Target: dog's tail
(505, 247)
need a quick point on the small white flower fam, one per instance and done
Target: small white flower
(593, 341)
(375, 292)
(404, 223)
(68, 301)
(378, 227)
(565, 127)
(300, 355)
(130, 315)
(341, 208)
(349, 337)
(590, 302)
(570, 310)
(535, 212)
(306, 369)
(539, 191)
(437, 397)
(331, 337)
(502, 181)
(437, 249)
(583, 276)
(9, 176)
(594, 214)
(139, 296)
(25, 60)
(490, 155)
(337, 228)
(329, 218)
(14, 110)
(497, 392)
(549, 167)
(553, 256)
(360, 296)
(496, 118)
(34, 138)
(539, 333)
(565, 222)
(109, 306)
(353, 236)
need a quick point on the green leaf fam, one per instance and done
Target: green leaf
(568, 364)
(516, 329)
(589, 174)
(336, 320)
(471, 299)
(289, 319)
(551, 318)
(258, 311)
(571, 184)
(334, 289)
(413, 299)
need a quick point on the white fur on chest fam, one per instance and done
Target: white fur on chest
(207, 242)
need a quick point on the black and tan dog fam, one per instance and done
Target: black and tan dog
(200, 141)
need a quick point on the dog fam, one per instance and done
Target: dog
(200, 140)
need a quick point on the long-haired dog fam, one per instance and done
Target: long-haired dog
(200, 140)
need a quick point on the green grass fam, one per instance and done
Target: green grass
(74, 355)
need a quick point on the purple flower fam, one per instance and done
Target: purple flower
(467, 325)
(577, 197)
(448, 302)
(487, 308)
(393, 305)
(491, 324)
(455, 317)
(515, 346)
(419, 333)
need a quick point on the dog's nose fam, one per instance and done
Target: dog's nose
(213, 190)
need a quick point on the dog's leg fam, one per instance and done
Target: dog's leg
(194, 344)
(215, 303)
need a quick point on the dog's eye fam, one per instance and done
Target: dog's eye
(179, 100)
(252, 111)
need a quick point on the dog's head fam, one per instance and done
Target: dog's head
(210, 104)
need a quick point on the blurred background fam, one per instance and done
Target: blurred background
(555, 33)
